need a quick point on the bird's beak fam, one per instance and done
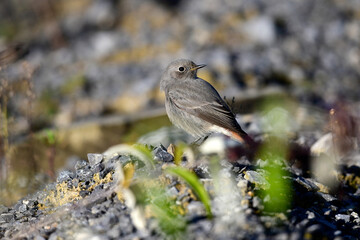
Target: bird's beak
(197, 67)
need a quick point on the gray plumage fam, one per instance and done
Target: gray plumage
(194, 104)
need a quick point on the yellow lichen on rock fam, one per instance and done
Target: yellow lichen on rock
(60, 196)
(63, 194)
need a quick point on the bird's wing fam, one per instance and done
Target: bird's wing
(201, 99)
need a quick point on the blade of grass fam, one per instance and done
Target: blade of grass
(192, 180)
(138, 151)
(277, 118)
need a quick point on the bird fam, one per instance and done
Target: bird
(195, 106)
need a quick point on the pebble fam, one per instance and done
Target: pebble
(97, 167)
(308, 184)
(327, 197)
(23, 208)
(84, 174)
(7, 217)
(3, 209)
(256, 178)
(81, 164)
(345, 218)
(65, 176)
(95, 158)
(161, 154)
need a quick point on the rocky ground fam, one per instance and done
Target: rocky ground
(128, 192)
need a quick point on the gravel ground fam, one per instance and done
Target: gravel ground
(113, 196)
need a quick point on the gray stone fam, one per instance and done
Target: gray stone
(84, 174)
(7, 217)
(257, 203)
(327, 197)
(3, 209)
(161, 154)
(256, 178)
(23, 208)
(310, 215)
(81, 164)
(307, 183)
(95, 158)
(354, 215)
(196, 208)
(98, 167)
(343, 217)
(65, 176)
(172, 191)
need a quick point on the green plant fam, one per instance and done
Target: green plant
(277, 120)
(192, 180)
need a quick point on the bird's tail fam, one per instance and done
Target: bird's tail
(242, 137)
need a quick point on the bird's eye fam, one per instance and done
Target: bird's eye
(181, 69)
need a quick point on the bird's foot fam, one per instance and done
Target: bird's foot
(200, 140)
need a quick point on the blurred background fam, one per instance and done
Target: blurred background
(80, 76)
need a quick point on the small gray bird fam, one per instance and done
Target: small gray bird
(194, 104)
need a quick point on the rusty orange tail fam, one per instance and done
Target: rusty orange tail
(242, 138)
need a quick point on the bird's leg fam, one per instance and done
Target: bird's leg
(200, 140)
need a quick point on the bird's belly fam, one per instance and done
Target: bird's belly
(190, 123)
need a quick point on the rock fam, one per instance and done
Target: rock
(84, 174)
(172, 191)
(23, 208)
(307, 183)
(345, 218)
(81, 164)
(161, 154)
(95, 158)
(310, 215)
(3, 209)
(257, 203)
(7, 217)
(196, 208)
(86, 234)
(202, 170)
(256, 178)
(354, 215)
(97, 168)
(65, 176)
(327, 197)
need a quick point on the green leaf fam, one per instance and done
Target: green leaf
(192, 180)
